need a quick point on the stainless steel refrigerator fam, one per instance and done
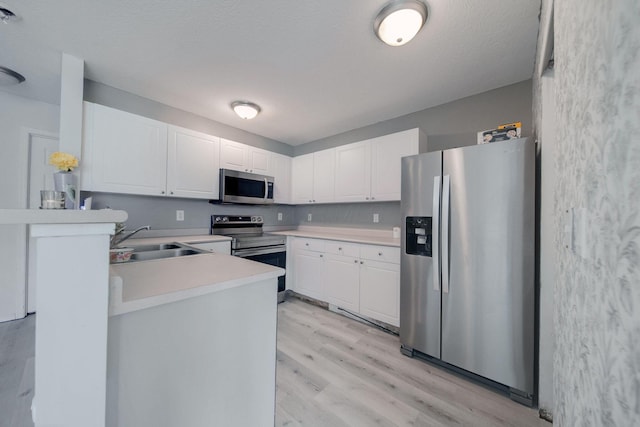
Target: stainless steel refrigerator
(467, 295)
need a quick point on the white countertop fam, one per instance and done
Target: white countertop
(60, 216)
(139, 285)
(354, 235)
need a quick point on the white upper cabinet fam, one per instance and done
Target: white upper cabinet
(353, 172)
(302, 179)
(370, 170)
(123, 152)
(245, 158)
(313, 177)
(192, 164)
(282, 176)
(127, 153)
(386, 154)
(324, 167)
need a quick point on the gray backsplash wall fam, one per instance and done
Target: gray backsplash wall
(358, 215)
(160, 212)
(450, 125)
(115, 98)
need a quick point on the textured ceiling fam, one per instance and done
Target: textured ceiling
(315, 67)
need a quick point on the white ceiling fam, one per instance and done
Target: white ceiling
(315, 67)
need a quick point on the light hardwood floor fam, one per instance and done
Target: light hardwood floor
(17, 351)
(334, 371)
(331, 371)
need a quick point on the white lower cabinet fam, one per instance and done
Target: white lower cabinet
(308, 273)
(364, 279)
(342, 275)
(379, 291)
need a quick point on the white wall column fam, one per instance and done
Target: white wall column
(71, 93)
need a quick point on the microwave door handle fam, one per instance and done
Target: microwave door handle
(266, 189)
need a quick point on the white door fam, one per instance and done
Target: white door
(129, 152)
(353, 172)
(308, 273)
(233, 155)
(343, 281)
(40, 178)
(386, 154)
(302, 179)
(380, 291)
(324, 175)
(282, 176)
(193, 164)
(259, 161)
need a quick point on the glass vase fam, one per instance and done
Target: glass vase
(66, 182)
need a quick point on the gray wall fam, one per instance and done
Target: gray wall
(160, 212)
(111, 97)
(450, 125)
(597, 292)
(358, 215)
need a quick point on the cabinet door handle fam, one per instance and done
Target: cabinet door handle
(355, 260)
(373, 198)
(379, 253)
(321, 255)
(339, 249)
(306, 244)
(361, 262)
(366, 198)
(172, 192)
(162, 192)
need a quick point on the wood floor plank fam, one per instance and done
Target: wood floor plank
(22, 414)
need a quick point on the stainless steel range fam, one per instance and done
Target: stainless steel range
(249, 241)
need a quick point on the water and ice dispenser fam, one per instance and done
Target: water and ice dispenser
(418, 235)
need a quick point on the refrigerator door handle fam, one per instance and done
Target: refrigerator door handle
(435, 233)
(445, 234)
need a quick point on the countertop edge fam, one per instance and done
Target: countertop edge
(341, 237)
(60, 216)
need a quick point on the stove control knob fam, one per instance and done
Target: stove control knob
(225, 219)
(218, 219)
(253, 219)
(258, 219)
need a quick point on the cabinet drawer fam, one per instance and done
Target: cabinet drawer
(380, 253)
(342, 248)
(309, 244)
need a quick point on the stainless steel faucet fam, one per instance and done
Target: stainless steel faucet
(120, 229)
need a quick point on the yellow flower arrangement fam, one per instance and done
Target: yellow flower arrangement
(63, 161)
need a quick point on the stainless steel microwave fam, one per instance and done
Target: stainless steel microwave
(244, 187)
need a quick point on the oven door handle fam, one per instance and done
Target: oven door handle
(244, 253)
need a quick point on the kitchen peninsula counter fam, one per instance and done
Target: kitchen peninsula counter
(192, 341)
(139, 285)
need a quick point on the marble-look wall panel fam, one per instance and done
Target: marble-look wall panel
(597, 359)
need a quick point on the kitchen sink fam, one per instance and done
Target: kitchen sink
(176, 251)
(156, 247)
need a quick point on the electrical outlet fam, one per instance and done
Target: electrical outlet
(279, 216)
(376, 217)
(179, 215)
(309, 217)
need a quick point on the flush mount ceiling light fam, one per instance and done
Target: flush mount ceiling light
(9, 77)
(245, 110)
(6, 15)
(399, 21)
